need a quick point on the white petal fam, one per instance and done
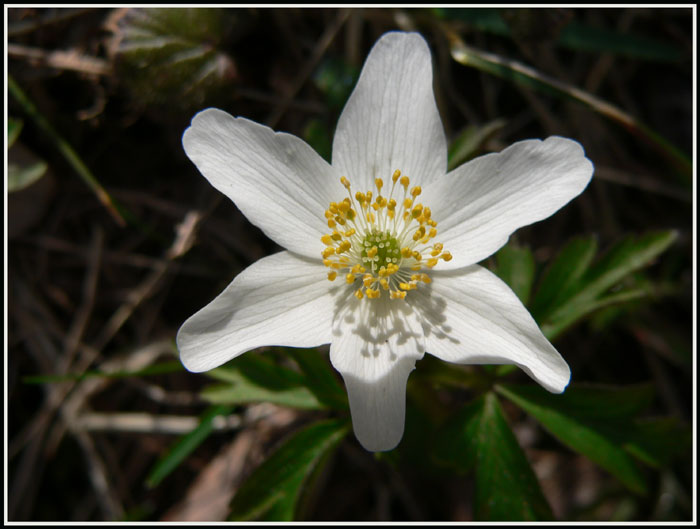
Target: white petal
(375, 347)
(279, 183)
(478, 205)
(281, 299)
(391, 120)
(472, 317)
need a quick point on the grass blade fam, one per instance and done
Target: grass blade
(68, 152)
(524, 75)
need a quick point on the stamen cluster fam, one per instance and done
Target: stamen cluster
(382, 241)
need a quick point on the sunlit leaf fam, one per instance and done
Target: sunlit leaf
(14, 127)
(155, 369)
(254, 378)
(184, 446)
(19, 177)
(589, 423)
(478, 438)
(273, 491)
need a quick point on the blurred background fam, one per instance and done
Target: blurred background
(114, 239)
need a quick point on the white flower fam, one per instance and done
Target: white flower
(381, 244)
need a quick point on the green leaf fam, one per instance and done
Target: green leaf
(320, 377)
(562, 275)
(274, 489)
(19, 177)
(155, 369)
(506, 488)
(14, 127)
(253, 378)
(516, 266)
(184, 446)
(658, 441)
(626, 257)
(589, 421)
(586, 294)
(175, 55)
(557, 326)
(469, 142)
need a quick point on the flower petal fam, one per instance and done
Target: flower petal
(375, 347)
(277, 181)
(391, 120)
(479, 204)
(281, 299)
(472, 317)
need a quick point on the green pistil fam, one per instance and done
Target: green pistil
(388, 250)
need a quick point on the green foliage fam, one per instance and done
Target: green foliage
(184, 446)
(320, 377)
(469, 142)
(155, 369)
(24, 170)
(563, 299)
(274, 490)
(479, 439)
(335, 78)
(516, 266)
(14, 127)
(602, 424)
(255, 378)
(562, 275)
(573, 35)
(67, 151)
(174, 55)
(22, 176)
(318, 136)
(529, 78)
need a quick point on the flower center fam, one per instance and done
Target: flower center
(385, 243)
(388, 250)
